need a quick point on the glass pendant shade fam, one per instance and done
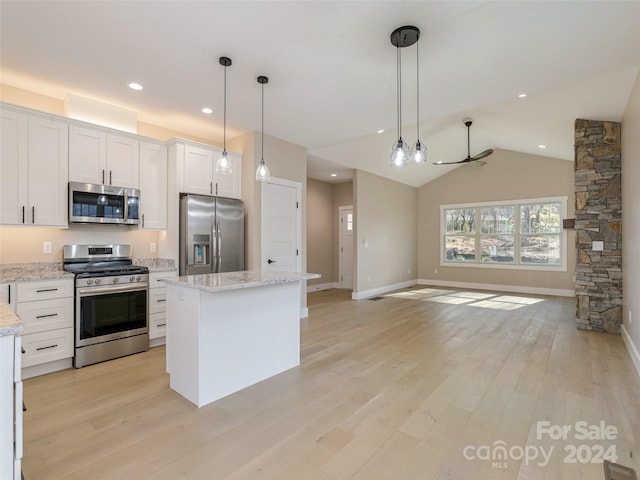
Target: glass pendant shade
(223, 165)
(262, 173)
(399, 153)
(419, 153)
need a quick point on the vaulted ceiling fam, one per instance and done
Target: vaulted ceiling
(332, 70)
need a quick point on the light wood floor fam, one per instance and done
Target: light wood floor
(389, 389)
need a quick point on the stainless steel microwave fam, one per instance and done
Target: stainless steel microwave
(106, 204)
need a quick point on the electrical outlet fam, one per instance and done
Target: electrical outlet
(152, 246)
(46, 247)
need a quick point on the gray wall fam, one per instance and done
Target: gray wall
(507, 175)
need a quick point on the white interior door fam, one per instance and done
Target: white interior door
(346, 247)
(281, 225)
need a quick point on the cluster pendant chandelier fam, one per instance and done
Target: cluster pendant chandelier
(223, 165)
(401, 153)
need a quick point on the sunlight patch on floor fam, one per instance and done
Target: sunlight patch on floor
(473, 299)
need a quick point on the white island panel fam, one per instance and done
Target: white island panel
(219, 342)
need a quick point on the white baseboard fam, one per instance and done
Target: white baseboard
(500, 288)
(377, 291)
(322, 286)
(44, 368)
(156, 342)
(631, 347)
(304, 312)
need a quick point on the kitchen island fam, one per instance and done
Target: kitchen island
(227, 331)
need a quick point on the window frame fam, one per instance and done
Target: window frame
(516, 265)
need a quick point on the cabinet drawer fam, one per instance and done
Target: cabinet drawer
(44, 290)
(46, 315)
(157, 300)
(154, 278)
(157, 325)
(47, 346)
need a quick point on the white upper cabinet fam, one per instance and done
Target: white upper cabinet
(197, 172)
(153, 185)
(14, 168)
(101, 157)
(33, 170)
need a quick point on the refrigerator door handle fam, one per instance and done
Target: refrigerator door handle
(214, 246)
(219, 245)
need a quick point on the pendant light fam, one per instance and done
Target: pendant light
(419, 151)
(223, 165)
(400, 38)
(262, 173)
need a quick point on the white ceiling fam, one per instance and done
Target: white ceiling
(332, 70)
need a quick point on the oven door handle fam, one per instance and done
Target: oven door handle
(108, 290)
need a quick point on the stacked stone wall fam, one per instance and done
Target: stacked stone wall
(598, 197)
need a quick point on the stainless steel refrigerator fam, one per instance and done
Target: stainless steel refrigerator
(211, 234)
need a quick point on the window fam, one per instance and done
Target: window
(524, 234)
(349, 222)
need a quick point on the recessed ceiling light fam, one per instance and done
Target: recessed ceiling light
(542, 146)
(135, 86)
(522, 95)
(334, 174)
(380, 131)
(207, 110)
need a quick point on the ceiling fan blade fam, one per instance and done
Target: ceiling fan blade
(486, 153)
(450, 163)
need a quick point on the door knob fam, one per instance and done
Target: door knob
(271, 261)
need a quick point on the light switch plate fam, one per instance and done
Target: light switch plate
(597, 246)
(46, 247)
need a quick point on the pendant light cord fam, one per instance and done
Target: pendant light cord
(418, 92)
(399, 89)
(224, 115)
(262, 135)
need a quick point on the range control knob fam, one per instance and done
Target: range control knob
(115, 279)
(89, 282)
(98, 281)
(131, 279)
(139, 278)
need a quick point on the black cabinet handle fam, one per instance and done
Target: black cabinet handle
(23, 214)
(47, 316)
(45, 348)
(9, 294)
(23, 350)
(24, 407)
(271, 261)
(47, 290)
(33, 214)
(103, 176)
(110, 182)
(161, 325)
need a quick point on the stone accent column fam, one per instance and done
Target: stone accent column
(598, 165)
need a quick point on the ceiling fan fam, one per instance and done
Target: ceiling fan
(476, 159)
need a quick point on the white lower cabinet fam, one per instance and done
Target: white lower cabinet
(10, 408)
(46, 310)
(158, 307)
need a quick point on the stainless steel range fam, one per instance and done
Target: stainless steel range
(111, 297)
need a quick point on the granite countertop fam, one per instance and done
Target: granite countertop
(10, 323)
(157, 264)
(24, 272)
(218, 282)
